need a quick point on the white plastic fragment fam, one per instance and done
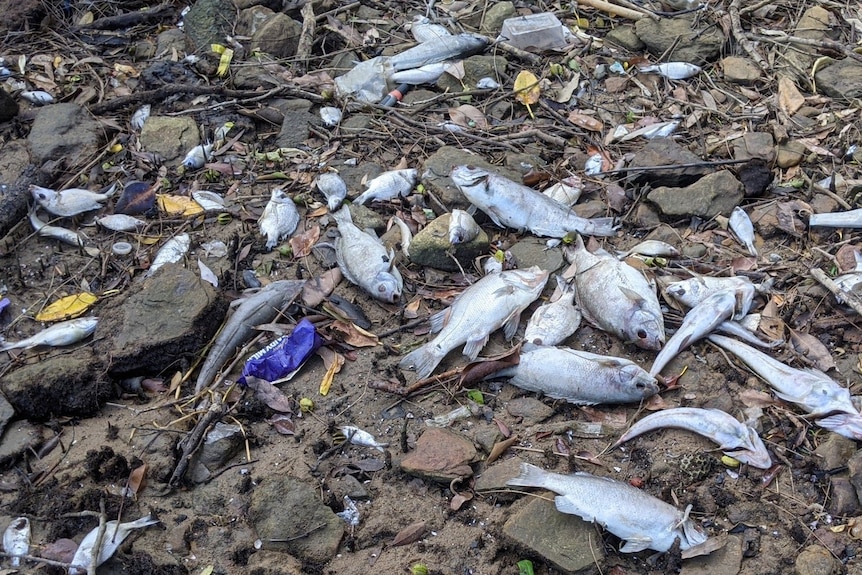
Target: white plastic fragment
(331, 115)
(140, 117)
(535, 32)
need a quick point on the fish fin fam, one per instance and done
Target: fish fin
(511, 325)
(391, 260)
(474, 346)
(440, 319)
(529, 476)
(633, 295)
(568, 505)
(472, 209)
(361, 198)
(635, 544)
(144, 521)
(422, 360)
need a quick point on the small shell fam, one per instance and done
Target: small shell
(330, 115)
(209, 201)
(140, 117)
(39, 97)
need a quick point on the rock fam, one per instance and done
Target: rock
(843, 79)
(286, 508)
(271, 4)
(529, 409)
(816, 23)
(724, 561)
(170, 316)
(754, 145)
(252, 19)
(431, 247)
(666, 152)
(348, 485)
(67, 384)
(440, 455)
(278, 36)
(694, 45)
(8, 106)
(494, 16)
(533, 251)
(221, 443)
(170, 40)
(273, 563)
(7, 412)
(495, 477)
(16, 175)
(143, 50)
(854, 465)
(294, 128)
(843, 500)
(717, 193)
(208, 22)
(485, 436)
(64, 131)
(475, 68)
(755, 176)
(816, 560)
(567, 541)
(626, 37)
(20, 437)
(790, 154)
(171, 138)
(835, 452)
(437, 167)
(646, 216)
(739, 70)
(365, 218)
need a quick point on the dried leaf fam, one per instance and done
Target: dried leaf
(282, 423)
(409, 534)
(614, 418)
(68, 307)
(656, 403)
(564, 94)
(333, 362)
(178, 205)
(771, 323)
(789, 98)
(269, 394)
(705, 548)
(137, 478)
(527, 90)
(137, 198)
(500, 448)
(302, 244)
(411, 310)
(811, 349)
(479, 370)
(317, 289)
(62, 550)
(846, 258)
(586, 122)
(354, 335)
(459, 500)
(457, 71)
(788, 218)
(468, 116)
(207, 274)
(754, 398)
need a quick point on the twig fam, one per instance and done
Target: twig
(190, 444)
(129, 19)
(743, 38)
(410, 324)
(100, 539)
(306, 36)
(613, 9)
(411, 389)
(848, 297)
(35, 559)
(783, 38)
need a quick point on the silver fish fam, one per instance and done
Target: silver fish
(741, 226)
(59, 334)
(365, 262)
(439, 49)
(617, 298)
(733, 438)
(198, 156)
(512, 205)
(279, 218)
(849, 219)
(406, 235)
(16, 540)
(388, 185)
(140, 117)
(740, 330)
(38, 97)
(462, 227)
(209, 201)
(333, 188)
(695, 290)
(362, 438)
(259, 308)
(673, 70)
(651, 248)
(71, 202)
(115, 534)
(64, 235)
(171, 252)
(812, 390)
(579, 377)
(121, 223)
(554, 321)
(423, 30)
(330, 115)
(850, 281)
(567, 191)
(427, 74)
(494, 301)
(641, 520)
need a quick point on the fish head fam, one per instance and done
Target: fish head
(691, 534)
(44, 196)
(457, 235)
(279, 196)
(644, 330)
(386, 287)
(754, 452)
(637, 383)
(468, 176)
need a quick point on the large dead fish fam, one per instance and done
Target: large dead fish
(259, 308)
(279, 218)
(59, 334)
(579, 377)
(733, 438)
(71, 202)
(617, 298)
(115, 534)
(554, 321)
(494, 301)
(512, 205)
(638, 518)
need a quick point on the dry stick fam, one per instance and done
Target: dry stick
(35, 559)
(189, 444)
(100, 538)
(782, 38)
(613, 9)
(306, 36)
(130, 19)
(333, 12)
(636, 8)
(849, 297)
(742, 38)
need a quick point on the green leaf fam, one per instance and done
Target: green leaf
(476, 396)
(525, 567)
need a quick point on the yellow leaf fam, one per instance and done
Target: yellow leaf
(68, 307)
(334, 368)
(178, 205)
(87, 18)
(224, 62)
(116, 148)
(527, 89)
(218, 48)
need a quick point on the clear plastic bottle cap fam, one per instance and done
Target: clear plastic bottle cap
(121, 248)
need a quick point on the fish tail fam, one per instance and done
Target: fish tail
(530, 476)
(601, 227)
(422, 360)
(144, 521)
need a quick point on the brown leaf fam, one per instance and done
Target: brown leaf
(789, 97)
(846, 258)
(282, 423)
(317, 289)
(656, 403)
(586, 122)
(479, 370)
(302, 244)
(771, 323)
(468, 116)
(500, 448)
(62, 550)
(459, 499)
(137, 478)
(353, 335)
(754, 398)
(153, 385)
(811, 349)
(788, 217)
(411, 310)
(270, 395)
(409, 534)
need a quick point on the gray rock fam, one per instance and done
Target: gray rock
(169, 316)
(431, 247)
(171, 138)
(143, 50)
(67, 384)
(271, 4)
(854, 465)
(754, 145)
(475, 68)
(170, 40)
(7, 412)
(834, 452)
(724, 561)
(695, 45)
(295, 128)
(815, 23)
(208, 22)
(567, 541)
(740, 70)
(222, 442)
(349, 486)
(529, 409)
(285, 508)
(842, 500)
(20, 437)
(16, 175)
(8, 106)
(789, 154)
(437, 167)
(666, 152)
(626, 37)
(64, 131)
(440, 455)
(843, 79)
(366, 219)
(717, 193)
(494, 16)
(646, 216)
(533, 251)
(278, 36)
(266, 562)
(486, 435)
(816, 560)
(252, 19)
(495, 477)
(356, 123)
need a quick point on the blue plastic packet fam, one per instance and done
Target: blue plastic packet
(4, 303)
(283, 355)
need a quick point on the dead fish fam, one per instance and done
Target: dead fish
(494, 301)
(209, 201)
(554, 321)
(512, 205)
(733, 438)
(333, 188)
(364, 260)
(462, 227)
(121, 223)
(406, 235)
(279, 218)
(638, 518)
(617, 298)
(741, 226)
(362, 438)
(651, 248)
(38, 97)
(567, 191)
(115, 534)
(424, 30)
(845, 424)
(848, 219)
(59, 334)
(673, 70)
(171, 252)
(427, 74)
(694, 290)
(742, 332)
(439, 49)
(330, 115)
(198, 156)
(812, 390)
(140, 117)
(71, 202)
(388, 186)
(259, 308)
(64, 235)
(16, 540)
(579, 377)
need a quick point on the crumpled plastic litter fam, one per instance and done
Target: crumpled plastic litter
(283, 355)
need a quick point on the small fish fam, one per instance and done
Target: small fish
(439, 49)
(259, 308)
(16, 540)
(651, 248)
(579, 377)
(638, 518)
(812, 390)
(171, 252)
(694, 290)
(198, 156)
(406, 235)
(494, 301)
(554, 321)
(121, 223)
(330, 115)
(71, 202)
(209, 201)
(362, 438)
(38, 97)
(59, 334)
(364, 260)
(64, 235)
(617, 298)
(388, 186)
(333, 188)
(462, 227)
(512, 205)
(673, 70)
(733, 438)
(115, 534)
(279, 218)
(424, 30)
(487, 83)
(849, 219)
(741, 226)
(140, 117)
(740, 330)
(427, 74)
(567, 191)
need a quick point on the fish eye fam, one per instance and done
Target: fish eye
(642, 334)
(640, 385)
(381, 288)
